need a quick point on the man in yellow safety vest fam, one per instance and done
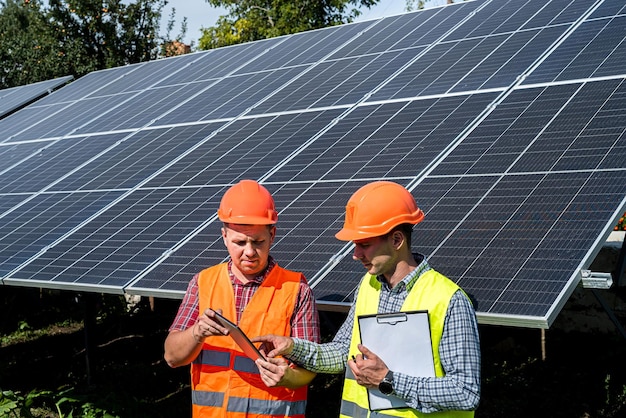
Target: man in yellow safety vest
(379, 220)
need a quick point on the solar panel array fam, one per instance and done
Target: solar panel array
(13, 98)
(506, 120)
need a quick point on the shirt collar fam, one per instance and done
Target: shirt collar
(257, 279)
(409, 280)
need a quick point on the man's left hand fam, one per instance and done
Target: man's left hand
(368, 369)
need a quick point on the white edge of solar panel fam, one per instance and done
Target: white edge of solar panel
(520, 321)
(158, 293)
(78, 287)
(326, 305)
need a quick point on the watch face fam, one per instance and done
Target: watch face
(385, 387)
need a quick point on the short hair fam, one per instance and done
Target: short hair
(406, 229)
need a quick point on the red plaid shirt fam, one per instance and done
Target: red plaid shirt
(304, 322)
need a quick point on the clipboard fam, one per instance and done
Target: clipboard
(240, 338)
(402, 341)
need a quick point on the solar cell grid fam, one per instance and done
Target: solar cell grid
(16, 97)
(557, 13)
(12, 154)
(136, 80)
(303, 48)
(520, 182)
(8, 201)
(228, 97)
(388, 34)
(24, 119)
(138, 110)
(135, 158)
(486, 19)
(335, 83)
(42, 220)
(506, 133)
(219, 62)
(501, 67)
(558, 145)
(469, 64)
(87, 85)
(392, 140)
(52, 161)
(58, 122)
(609, 8)
(125, 239)
(596, 49)
(246, 149)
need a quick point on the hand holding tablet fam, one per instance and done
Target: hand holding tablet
(240, 337)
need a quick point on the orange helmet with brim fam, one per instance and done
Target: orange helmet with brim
(376, 208)
(247, 203)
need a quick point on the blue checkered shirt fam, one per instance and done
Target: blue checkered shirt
(459, 351)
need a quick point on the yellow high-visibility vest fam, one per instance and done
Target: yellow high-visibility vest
(432, 292)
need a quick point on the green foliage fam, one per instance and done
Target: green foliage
(28, 51)
(9, 404)
(12, 404)
(615, 401)
(67, 405)
(251, 20)
(75, 37)
(25, 332)
(70, 406)
(23, 329)
(621, 223)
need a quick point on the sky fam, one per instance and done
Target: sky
(200, 14)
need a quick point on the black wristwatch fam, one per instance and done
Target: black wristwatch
(386, 385)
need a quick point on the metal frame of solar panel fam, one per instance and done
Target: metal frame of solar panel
(506, 120)
(13, 98)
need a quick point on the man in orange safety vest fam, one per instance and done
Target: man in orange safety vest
(261, 297)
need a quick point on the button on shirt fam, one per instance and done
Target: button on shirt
(459, 351)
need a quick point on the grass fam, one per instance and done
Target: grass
(44, 370)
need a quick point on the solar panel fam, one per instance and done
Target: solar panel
(505, 119)
(13, 98)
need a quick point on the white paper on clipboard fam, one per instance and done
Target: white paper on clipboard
(402, 341)
(240, 338)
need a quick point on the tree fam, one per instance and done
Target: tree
(98, 34)
(252, 20)
(75, 37)
(28, 50)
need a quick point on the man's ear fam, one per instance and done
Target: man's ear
(272, 233)
(397, 239)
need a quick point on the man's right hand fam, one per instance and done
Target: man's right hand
(274, 345)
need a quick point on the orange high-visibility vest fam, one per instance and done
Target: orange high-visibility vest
(224, 381)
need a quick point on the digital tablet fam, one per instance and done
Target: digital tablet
(240, 338)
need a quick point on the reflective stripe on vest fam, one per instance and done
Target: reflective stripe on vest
(222, 359)
(350, 409)
(204, 398)
(259, 406)
(247, 405)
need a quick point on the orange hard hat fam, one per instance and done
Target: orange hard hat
(249, 203)
(376, 208)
